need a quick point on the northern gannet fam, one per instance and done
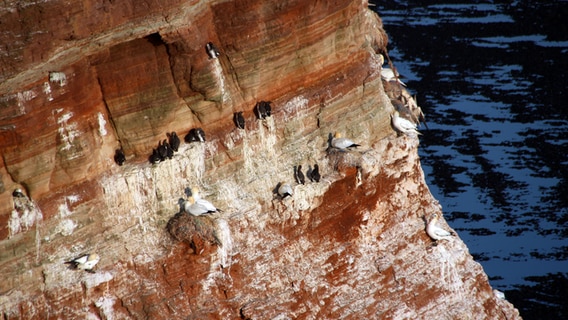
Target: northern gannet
(388, 75)
(285, 190)
(197, 207)
(342, 143)
(85, 262)
(436, 232)
(405, 126)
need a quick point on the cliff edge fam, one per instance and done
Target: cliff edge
(80, 81)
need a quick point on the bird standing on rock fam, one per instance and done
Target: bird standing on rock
(195, 135)
(211, 50)
(389, 75)
(155, 157)
(342, 143)
(402, 125)
(85, 262)
(299, 175)
(119, 157)
(436, 232)
(285, 190)
(198, 207)
(174, 141)
(263, 109)
(315, 174)
(239, 120)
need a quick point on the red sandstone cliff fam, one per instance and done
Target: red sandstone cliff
(79, 80)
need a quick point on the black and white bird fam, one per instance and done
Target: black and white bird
(17, 193)
(169, 150)
(155, 157)
(284, 190)
(315, 174)
(85, 262)
(195, 135)
(341, 143)
(211, 50)
(119, 157)
(262, 109)
(388, 74)
(299, 175)
(239, 120)
(174, 140)
(162, 150)
(198, 207)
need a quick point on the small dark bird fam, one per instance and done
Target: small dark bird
(195, 135)
(299, 175)
(262, 109)
(18, 193)
(155, 157)
(211, 50)
(169, 150)
(119, 157)
(162, 151)
(174, 141)
(315, 174)
(239, 120)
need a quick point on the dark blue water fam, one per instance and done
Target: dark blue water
(492, 80)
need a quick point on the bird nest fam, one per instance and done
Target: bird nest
(195, 231)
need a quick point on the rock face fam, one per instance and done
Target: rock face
(80, 80)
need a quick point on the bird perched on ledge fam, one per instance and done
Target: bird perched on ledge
(388, 74)
(263, 109)
(342, 143)
(314, 174)
(174, 140)
(85, 262)
(195, 135)
(211, 50)
(239, 120)
(402, 125)
(119, 157)
(198, 207)
(299, 175)
(436, 232)
(284, 190)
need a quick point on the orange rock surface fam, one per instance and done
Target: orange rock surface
(80, 80)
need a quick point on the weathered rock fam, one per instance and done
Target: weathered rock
(79, 81)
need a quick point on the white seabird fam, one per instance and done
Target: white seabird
(197, 207)
(342, 143)
(405, 126)
(85, 262)
(285, 190)
(436, 232)
(388, 75)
